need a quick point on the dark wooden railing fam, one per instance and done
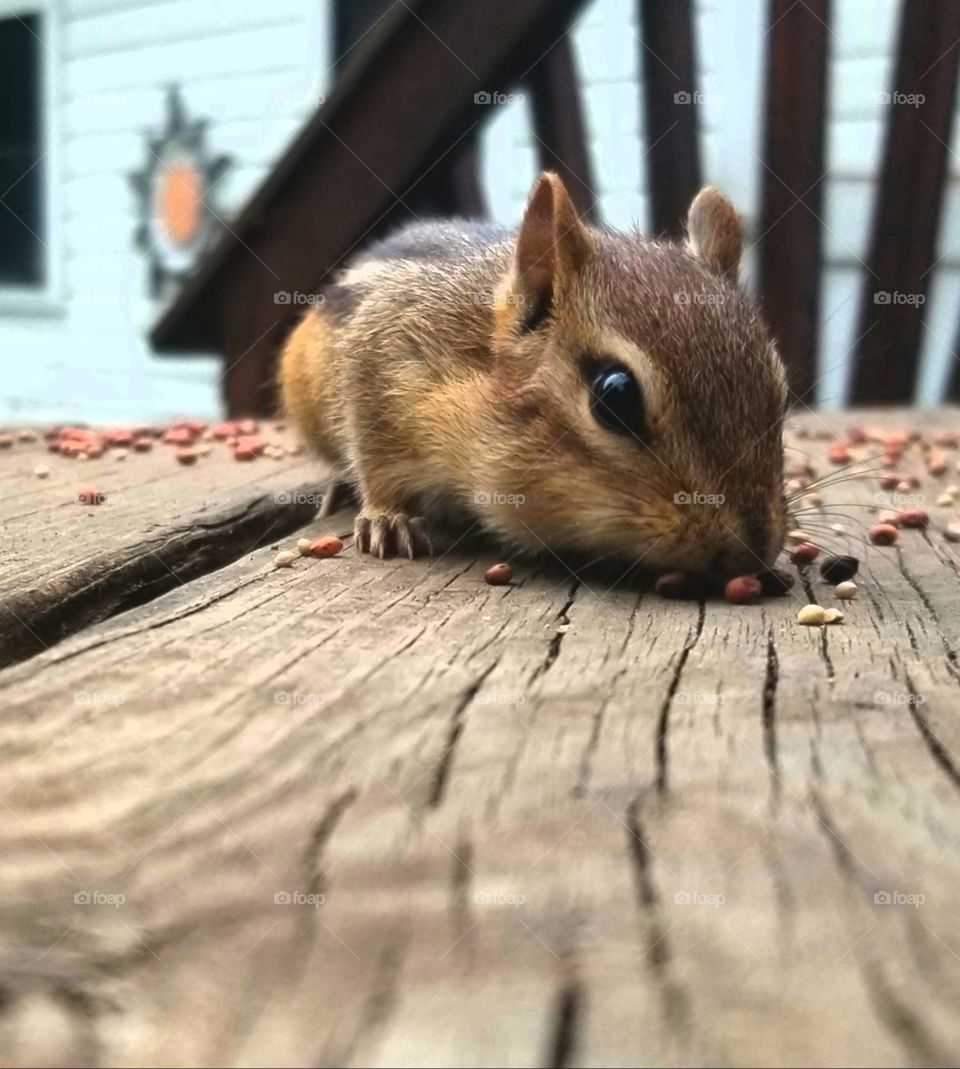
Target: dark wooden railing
(398, 138)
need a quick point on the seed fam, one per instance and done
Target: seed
(120, 454)
(798, 536)
(890, 480)
(187, 456)
(285, 559)
(330, 546)
(89, 496)
(222, 431)
(303, 546)
(178, 436)
(832, 616)
(247, 426)
(498, 574)
(845, 591)
(41, 471)
(946, 499)
(804, 553)
(856, 436)
(810, 615)
(775, 582)
(948, 439)
(142, 444)
(5, 441)
(243, 452)
(26, 436)
(936, 462)
(839, 454)
(838, 569)
(952, 533)
(883, 534)
(914, 518)
(743, 590)
(676, 585)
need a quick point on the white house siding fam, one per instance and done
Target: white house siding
(255, 70)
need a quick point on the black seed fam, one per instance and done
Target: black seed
(839, 569)
(776, 582)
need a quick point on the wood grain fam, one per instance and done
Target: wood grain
(545, 824)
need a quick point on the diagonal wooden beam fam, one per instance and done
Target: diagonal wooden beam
(909, 200)
(793, 177)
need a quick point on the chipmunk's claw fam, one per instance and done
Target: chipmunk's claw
(393, 534)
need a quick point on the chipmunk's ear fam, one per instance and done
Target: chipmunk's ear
(551, 245)
(714, 231)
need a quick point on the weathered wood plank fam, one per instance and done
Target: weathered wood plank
(550, 823)
(66, 565)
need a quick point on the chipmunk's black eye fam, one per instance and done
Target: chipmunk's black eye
(616, 400)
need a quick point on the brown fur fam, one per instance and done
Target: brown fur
(431, 394)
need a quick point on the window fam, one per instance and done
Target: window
(26, 157)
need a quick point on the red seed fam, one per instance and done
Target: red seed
(856, 435)
(890, 480)
(914, 518)
(947, 439)
(936, 462)
(743, 590)
(225, 430)
(247, 426)
(498, 574)
(804, 553)
(186, 456)
(244, 452)
(328, 546)
(89, 496)
(143, 444)
(839, 454)
(883, 534)
(676, 585)
(178, 436)
(251, 441)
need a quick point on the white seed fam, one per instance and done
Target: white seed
(285, 558)
(811, 615)
(799, 536)
(41, 471)
(303, 546)
(813, 498)
(952, 533)
(846, 590)
(946, 499)
(832, 616)
(953, 489)
(838, 528)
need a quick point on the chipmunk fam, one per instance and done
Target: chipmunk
(566, 387)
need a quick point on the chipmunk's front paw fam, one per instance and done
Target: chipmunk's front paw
(391, 534)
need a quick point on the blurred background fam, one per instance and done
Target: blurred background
(176, 176)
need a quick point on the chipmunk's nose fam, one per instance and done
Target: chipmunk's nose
(739, 557)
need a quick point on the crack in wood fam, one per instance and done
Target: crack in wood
(663, 719)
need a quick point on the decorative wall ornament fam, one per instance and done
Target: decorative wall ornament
(174, 189)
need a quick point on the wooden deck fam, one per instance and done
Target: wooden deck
(372, 814)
